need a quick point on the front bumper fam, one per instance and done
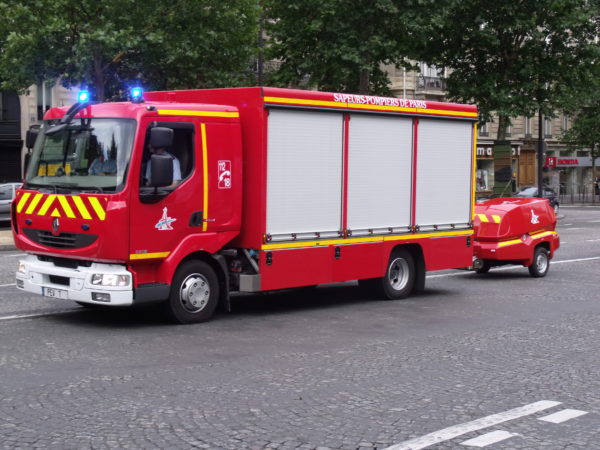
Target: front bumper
(46, 277)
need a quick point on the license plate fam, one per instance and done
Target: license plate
(54, 293)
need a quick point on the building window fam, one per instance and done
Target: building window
(547, 127)
(44, 99)
(484, 130)
(565, 122)
(509, 130)
(527, 126)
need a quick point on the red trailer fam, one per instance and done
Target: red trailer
(515, 231)
(279, 189)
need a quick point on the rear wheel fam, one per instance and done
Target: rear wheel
(194, 293)
(399, 277)
(541, 263)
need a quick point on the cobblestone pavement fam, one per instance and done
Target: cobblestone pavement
(332, 369)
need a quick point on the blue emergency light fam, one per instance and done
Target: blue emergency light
(137, 94)
(83, 96)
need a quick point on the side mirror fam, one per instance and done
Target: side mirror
(31, 136)
(161, 170)
(161, 137)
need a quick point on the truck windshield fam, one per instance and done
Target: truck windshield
(89, 155)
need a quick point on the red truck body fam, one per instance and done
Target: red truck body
(281, 188)
(515, 231)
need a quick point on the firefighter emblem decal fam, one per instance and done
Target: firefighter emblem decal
(224, 175)
(164, 224)
(534, 218)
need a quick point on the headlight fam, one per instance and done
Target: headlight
(109, 279)
(21, 268)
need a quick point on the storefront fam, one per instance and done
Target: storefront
(485, 167)
(573, 175)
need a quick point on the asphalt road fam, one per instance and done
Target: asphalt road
(498, 361)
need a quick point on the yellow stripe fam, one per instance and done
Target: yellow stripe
(44, 209)
(55, 213)
(22, 202)
(542, 234)
(497, 219)
(183, 112)
(505, 243)
(34, 203)
(299, 101)
(97, 207)
(81, 208)
(363, 240)
(66, 207)
(149, 255)
(205, 177)
(474, 171)
(482, 217)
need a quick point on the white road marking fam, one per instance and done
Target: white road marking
(16, 254)
(593, 221)
(572, 229)
(510, 267)
(592, 240)
(6, 285)
(563, 416)
(485, 422)
(489, 438)
(566, 224)
(29, 316)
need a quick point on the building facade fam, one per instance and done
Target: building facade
(17, 114)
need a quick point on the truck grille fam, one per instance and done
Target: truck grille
(61, 240)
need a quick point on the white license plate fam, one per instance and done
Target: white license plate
(54, 293)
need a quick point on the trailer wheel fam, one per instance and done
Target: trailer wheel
(194, 293)
(541, 263)
(399, 277)
(485, 268)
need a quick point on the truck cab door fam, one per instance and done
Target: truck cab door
(162, 217)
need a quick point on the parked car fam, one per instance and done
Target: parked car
(532, 191)
(7, 193)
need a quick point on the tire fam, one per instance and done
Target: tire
(541, 263)
(485, 268)
(399, 277)
(194, 293)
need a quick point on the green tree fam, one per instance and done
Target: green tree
(513, 57)
(340, 45)
(109, 44)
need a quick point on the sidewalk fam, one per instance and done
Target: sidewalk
(6, 240)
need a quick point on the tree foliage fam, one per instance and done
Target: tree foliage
(340, 45)
(514, 57)
(110, 43)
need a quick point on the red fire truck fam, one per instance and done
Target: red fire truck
(184, 197)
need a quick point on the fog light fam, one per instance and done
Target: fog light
(101, 297)
(20, 284)
(21, 267)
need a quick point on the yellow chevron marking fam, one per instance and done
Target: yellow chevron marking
(22, 202)
(81, 208)
(149, 255)
(482, 217)
(34, 203)
(497, 219)
(98, 208)
(66, 207)
(55, 213)
(44, 209)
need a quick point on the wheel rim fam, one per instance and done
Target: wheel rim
(194, 293)
(398, 274)
(541, 262)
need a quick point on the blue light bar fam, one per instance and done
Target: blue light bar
(83, 96)
(136, 94)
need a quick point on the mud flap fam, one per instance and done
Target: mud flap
(224, 299)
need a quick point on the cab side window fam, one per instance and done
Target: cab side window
(181, 152)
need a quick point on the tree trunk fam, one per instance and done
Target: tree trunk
(98, 78)
(364, 81)
(503, 124)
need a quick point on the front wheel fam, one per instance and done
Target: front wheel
(194, 293)
(541, 263)
(399, 277)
